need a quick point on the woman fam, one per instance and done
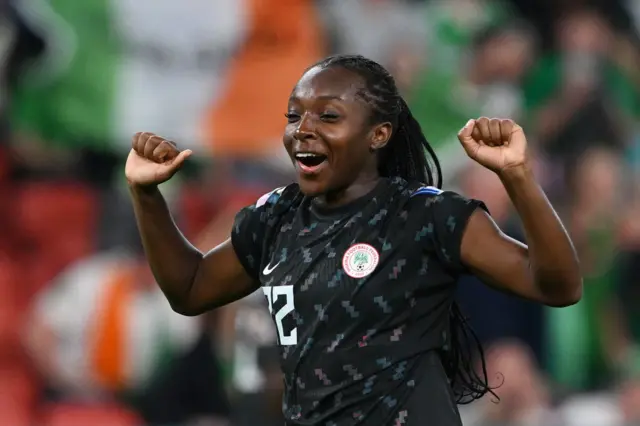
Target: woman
(358, 260)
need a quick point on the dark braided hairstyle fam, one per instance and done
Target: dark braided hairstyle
(409, 155)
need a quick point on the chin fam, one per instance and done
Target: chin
(312, 188)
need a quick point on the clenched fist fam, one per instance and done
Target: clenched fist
(153, 160)
(497, 144)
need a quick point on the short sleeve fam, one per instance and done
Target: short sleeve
(451, 214)
(249, 231)
(448, 214)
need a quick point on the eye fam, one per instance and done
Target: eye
(329, 116)
(292, 117)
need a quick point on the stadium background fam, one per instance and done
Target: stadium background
(86, 338)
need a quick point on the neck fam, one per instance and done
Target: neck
(361, 187)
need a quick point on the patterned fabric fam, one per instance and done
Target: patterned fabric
(360, 296)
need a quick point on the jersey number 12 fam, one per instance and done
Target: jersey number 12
(272, 294)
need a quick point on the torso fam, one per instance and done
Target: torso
(361, 304)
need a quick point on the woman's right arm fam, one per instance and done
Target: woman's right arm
(193, 282)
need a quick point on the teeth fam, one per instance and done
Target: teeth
(306, 155)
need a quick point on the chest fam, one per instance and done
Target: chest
(315, 273)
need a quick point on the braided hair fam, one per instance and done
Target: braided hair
(409, 155)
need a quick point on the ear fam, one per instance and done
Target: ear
(380, 135)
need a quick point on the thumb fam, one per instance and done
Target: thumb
(465, 136)
(517, 130)
(180, 159)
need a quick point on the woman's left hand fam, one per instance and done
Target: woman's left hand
(497, 144)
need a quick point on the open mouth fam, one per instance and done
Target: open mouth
(310, 162)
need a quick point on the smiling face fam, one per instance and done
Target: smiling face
(330, 136)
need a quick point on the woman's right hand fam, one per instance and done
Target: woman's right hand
(153, 160)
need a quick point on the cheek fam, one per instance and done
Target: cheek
(337, 135)
(287, 138)
(343, 140)
(350, 157)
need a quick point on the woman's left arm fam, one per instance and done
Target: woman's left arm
(547, 270)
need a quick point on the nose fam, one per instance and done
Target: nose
(305, 129)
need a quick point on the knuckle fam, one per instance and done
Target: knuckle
(165, 150)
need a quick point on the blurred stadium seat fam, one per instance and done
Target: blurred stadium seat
(88, 415)
(17, 396)
(57, 222)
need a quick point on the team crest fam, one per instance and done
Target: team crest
(360, 260)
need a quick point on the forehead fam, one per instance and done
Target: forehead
(334, 82)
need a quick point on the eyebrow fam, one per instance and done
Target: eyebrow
(322, 98)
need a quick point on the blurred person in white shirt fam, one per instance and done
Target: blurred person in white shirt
(103, 329)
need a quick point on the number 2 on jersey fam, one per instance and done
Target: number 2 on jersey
(272, 294)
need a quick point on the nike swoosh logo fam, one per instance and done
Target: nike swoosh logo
(268, 270)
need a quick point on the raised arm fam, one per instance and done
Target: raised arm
(547, 270)
(193, 282)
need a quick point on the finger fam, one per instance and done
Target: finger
(151, 145)
(134, 141)
(516, 129)
(467, 140)
(139, 140)
(485, 133)
(165, 151)
(179, 160)
(506, 127)
(494, 131)
(467, 130)
(477, 136)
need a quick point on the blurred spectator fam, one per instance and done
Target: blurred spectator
(581, 336)
(592, 410)
(20, 42)
(452, 26)
(629, 401)
(486, 85)
(626, 346)
(620, 408)
(523, 395)
(104, 329)
(355, 26)
(578, 95)
(189, 391)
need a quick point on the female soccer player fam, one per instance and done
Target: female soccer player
(358, 260)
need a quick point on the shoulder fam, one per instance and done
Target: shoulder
(449, 202)
(273, 203)
(432, 193)
(425, 195)
(284, 195)
(425, 190)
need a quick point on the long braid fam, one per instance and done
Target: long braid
(409, 155)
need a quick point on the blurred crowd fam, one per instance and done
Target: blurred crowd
(86, 338)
